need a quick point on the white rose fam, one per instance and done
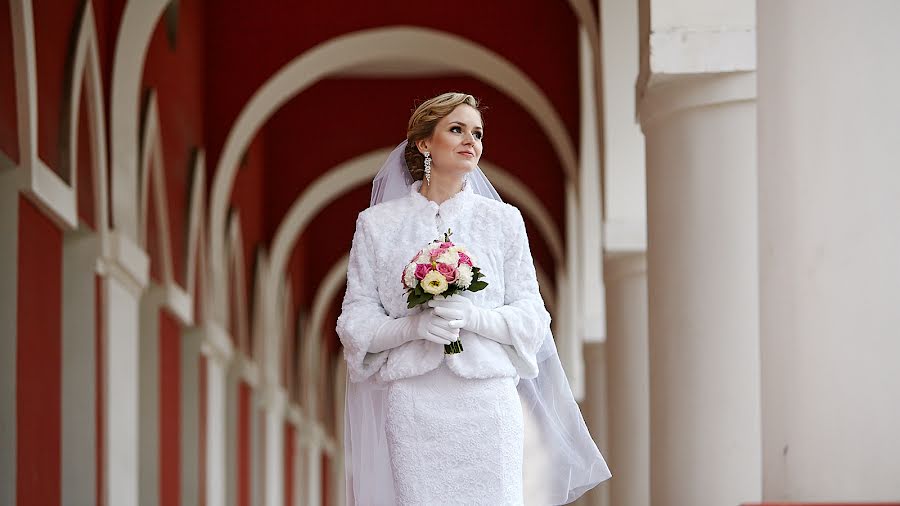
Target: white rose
(449, 257)
(464, 277)
(409, 276)
(434, 283)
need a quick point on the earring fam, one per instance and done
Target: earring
(428, 167)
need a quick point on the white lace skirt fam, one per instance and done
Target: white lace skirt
(455, 440)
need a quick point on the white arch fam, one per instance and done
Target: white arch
(408, 44)
(138, 22)
(328, 289)
(86, 67)
(52, 191)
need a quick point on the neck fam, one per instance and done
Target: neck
(441, 188)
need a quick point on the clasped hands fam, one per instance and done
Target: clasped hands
(440, 324)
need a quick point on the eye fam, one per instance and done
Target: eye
(479, 135)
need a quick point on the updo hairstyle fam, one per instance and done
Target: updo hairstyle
(422, 123)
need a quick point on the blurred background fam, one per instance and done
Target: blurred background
(711, 190)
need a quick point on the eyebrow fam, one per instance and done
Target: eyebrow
(463, 124)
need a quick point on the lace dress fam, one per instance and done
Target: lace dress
(455, 440)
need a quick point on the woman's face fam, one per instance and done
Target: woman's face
(455, 145)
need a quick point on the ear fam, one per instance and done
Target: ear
(422, 145)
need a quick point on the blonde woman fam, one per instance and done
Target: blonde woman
(424, 427)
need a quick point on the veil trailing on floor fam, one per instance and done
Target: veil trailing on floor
(570, 461)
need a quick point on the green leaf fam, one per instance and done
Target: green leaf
(477, 286)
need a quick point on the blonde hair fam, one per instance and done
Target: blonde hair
(422, 123)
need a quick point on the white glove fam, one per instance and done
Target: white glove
(425, 325)
(461, 313)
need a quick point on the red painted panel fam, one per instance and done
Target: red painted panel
(170, 409)
(38, 359)
(99, 386)
(9, 140)
(289, 449)
(54, 25)
(244, 455)
(326, 474)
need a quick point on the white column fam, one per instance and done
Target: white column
(218, 351)
(191, 343)
(152, 300)
(591, 292)
(624, 195)
(569, 342)
(829, 184)
(125, 268)
(697, 109)
(595, 409)
(274, 404)
(628, 452)
(702, 282)
(313, 455)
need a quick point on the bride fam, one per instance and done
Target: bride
(424, 427)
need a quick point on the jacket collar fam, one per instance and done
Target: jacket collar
(449, 207)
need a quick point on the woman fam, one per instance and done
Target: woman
(424, 427)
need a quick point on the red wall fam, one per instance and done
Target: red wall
(38, 359)
(169, 409)
(244, 455)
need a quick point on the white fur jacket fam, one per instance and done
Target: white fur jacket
(389, 234)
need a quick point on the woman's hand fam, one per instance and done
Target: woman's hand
(461, 313)
(424, 325)
(456, 310)
(431, 327)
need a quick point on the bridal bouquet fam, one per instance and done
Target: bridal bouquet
(441, 268)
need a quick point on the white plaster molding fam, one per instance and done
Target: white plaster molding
(623, 266)
(135, 30)
(179, 302)
(625, 236)
(86, 67)
(692, 50)
(364, 47)
(237, 282)
(126, 261)
(46, 189)
(695, 91)
(246, 369)
(216, 342)
(294, 415)
(196, 248)
(153, 166)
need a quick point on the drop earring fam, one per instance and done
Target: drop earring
(428, 168)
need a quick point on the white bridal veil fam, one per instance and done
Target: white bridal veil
(569, 458)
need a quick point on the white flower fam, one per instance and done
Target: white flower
(409, 276)
(464, 278)
(449, 257)
(434, 283)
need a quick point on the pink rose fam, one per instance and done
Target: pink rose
(448, 271)
(437, 252)
(422, 270)
(464, 259)
(446, 245)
